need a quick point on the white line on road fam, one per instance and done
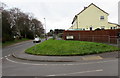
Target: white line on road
(22, 62)
(6, 56)
(99, 70)
(61, 64)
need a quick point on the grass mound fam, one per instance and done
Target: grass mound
(62, 47)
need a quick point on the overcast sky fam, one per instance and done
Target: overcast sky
(60, 13)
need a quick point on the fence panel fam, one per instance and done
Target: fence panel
(104, 36)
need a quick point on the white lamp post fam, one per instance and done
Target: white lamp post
(45, 28)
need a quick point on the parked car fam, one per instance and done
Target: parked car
(37, 40)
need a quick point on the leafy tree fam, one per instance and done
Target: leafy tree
(6, 27)
(37, 27)
(19, 24)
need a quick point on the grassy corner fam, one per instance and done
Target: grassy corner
(62, 47)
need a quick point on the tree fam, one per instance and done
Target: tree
(50, 33)
(15, 14)
(6, 27)
(19, 24)
(37, 27)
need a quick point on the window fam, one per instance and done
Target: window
(101, 17)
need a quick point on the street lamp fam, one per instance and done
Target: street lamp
(45, 28)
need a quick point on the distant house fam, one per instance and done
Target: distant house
(92, 18)
(58, 31)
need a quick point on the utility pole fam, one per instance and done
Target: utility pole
(45, 28)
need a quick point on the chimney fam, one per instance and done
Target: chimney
(85, 7)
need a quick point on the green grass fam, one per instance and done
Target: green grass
(62, 47)
(7, 43)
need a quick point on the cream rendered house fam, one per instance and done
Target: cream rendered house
(91, 18)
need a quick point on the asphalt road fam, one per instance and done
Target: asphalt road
(16, 67)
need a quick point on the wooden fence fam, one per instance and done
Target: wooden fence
(103, 36)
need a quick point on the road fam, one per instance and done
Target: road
(16, 67)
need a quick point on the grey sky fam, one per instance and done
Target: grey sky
(60, 13)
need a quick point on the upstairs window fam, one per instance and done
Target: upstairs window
(102, 18)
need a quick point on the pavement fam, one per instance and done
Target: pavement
(25, 56)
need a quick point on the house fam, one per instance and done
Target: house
(58, 31)
(92, 18)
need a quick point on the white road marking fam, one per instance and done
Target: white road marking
(99, 70)
(22, 62)
(60, 64)
(6, 56)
